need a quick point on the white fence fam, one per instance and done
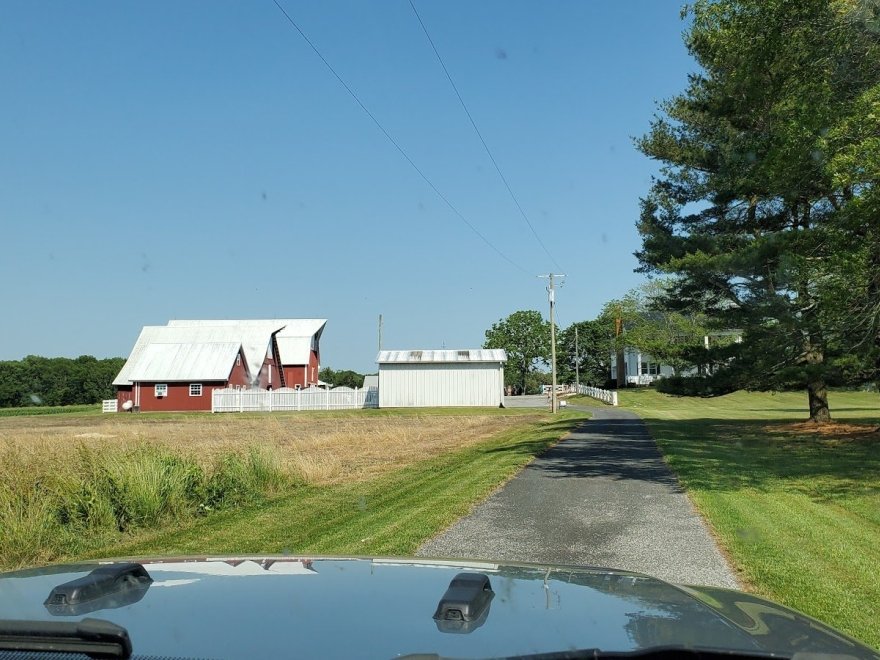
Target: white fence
(285, 398)
(607, 396)
(109, 405)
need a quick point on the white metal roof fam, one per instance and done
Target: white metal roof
(185, 362)
(253, 336)
(294, 350)
(445, 355)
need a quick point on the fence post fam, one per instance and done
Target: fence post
(327, 399)
(614, 398)
(269, 394)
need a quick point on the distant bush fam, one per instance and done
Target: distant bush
(89, 500)
(702, 386)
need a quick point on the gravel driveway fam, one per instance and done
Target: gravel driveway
(601, 497)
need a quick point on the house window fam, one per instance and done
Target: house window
(161, 390)
(195, 389)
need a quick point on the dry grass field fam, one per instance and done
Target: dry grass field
(316, 448)
(70, 483)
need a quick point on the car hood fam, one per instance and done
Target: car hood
(246, 607)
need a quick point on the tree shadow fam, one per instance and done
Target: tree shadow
(619, 449)
(731, 455)
(712, 454)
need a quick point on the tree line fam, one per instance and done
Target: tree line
(42, 381)
(585, 350)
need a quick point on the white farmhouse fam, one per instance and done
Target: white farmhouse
(421, 378)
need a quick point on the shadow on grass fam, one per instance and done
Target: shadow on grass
(729, 455)
(711, 454)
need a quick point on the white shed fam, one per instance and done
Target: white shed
(416, 379)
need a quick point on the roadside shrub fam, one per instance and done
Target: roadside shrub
(29, 528)
(91, 498)
(702, 386)
(237, 479)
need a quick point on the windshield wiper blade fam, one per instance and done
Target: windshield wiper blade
(95, 638)
(671, 652)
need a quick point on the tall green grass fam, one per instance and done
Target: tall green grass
(96, 497)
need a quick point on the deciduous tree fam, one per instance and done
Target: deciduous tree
(525, 336)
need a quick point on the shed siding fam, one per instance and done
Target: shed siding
(438, 384)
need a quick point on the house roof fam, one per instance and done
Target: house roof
(185, 362)
(445, 355)
(251, 336)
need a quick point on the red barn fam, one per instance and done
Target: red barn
(177, 366)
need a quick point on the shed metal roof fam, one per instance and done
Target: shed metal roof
(444, 355)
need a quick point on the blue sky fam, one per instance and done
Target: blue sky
(168, 160)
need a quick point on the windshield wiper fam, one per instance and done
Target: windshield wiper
(95, 638)
(654, 653)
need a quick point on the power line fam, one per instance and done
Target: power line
(480, 135)
(395, 143)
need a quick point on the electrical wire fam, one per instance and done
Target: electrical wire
(482, 141)
(395, 143)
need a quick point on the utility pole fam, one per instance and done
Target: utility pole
(577, 362)
(552, 296)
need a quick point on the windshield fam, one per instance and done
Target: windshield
(577, 283)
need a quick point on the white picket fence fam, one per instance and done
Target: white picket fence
(608, 396)
(285, 398)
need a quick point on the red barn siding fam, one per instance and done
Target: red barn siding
(303, 375)
(178, 398)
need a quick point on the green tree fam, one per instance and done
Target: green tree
(668, 336)
(595, 346)
(37, 380)
(341, 378)
(745, 212)
(525, 336)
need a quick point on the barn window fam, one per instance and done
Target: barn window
(238, 360)
(195, 389)
(161, 390)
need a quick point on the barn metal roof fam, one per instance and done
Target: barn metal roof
(294, 350)
(444, 355)
(185, 362)
(253, 336)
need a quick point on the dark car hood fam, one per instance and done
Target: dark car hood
(284, 607)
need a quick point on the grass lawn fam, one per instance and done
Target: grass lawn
(796, 507)
(390, 513)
